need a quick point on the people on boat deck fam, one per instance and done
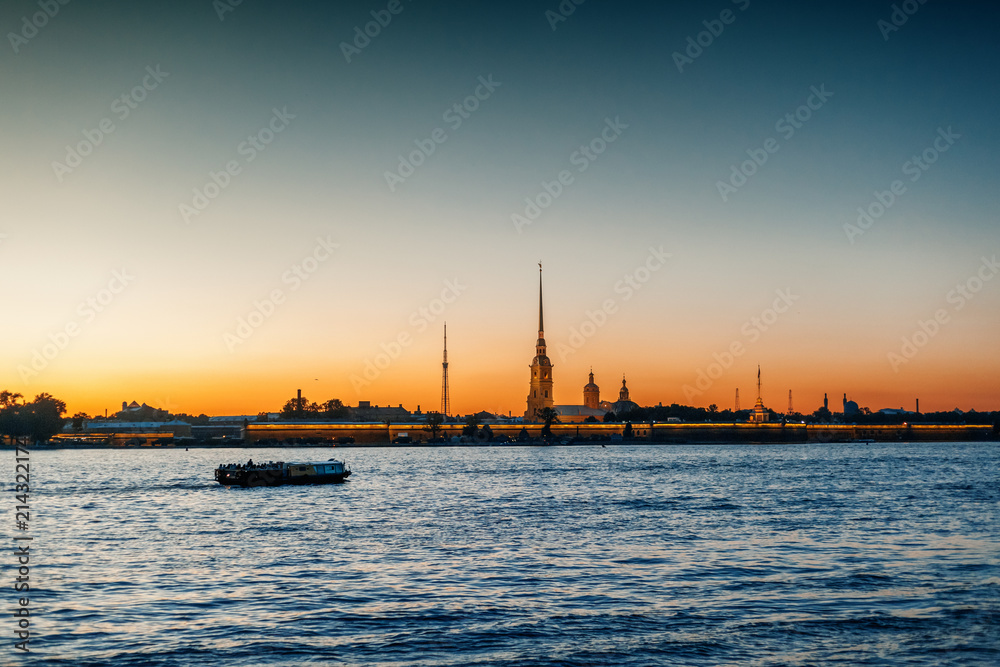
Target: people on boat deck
(250, 465)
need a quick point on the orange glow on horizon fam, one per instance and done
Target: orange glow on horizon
(480, 388)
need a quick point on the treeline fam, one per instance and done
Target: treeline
(686, 413)
(971, 418)
(296, 408)
(27, 422)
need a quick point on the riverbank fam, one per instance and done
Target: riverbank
(302, 434)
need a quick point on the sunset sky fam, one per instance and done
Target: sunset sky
(204, 206)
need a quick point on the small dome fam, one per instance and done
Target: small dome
(622, 407)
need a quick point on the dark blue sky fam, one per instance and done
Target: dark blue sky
(667, 179)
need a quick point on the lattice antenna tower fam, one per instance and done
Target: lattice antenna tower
(737, 400)
(790, 410)
(444, 375)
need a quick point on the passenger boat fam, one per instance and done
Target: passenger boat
(278, 473)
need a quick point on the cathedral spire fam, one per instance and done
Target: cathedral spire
(540, 390)
(541, 326)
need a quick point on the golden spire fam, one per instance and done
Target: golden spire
(541, 326)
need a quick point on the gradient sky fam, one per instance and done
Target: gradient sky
(184, 284)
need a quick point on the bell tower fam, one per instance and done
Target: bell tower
(591, 393)
(540, 389)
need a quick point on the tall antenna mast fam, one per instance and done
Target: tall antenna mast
(790, 410)
(737, 400)
(444, 375)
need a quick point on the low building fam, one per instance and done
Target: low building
(366, 412)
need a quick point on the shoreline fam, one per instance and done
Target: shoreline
(424, 445)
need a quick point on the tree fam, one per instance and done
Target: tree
(12, 418)
(713, 408)
(334, 409)
(591, 419)
(627, 434)
(38, 421)
(434, 421)
(200, 420)
(45, 417)
(471, 426)
(547, 415)
(8, 399)
(823, 415)
(292, 409)
(79, 419)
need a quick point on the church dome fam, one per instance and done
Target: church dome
(623, 407)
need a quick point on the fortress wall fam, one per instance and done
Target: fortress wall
(378, 433)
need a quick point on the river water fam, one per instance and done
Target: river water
(625, 555)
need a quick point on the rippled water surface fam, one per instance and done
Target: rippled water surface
(639, 555)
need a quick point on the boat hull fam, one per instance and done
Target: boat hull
(294, 475)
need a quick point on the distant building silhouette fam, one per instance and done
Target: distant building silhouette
(366, 412)
(591, 393)
(623, 404)
(445, 398)
(592, 406)
(540, 389)
(759, 415)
